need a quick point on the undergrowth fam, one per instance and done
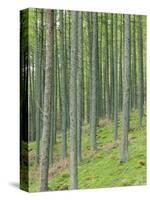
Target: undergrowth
(101, 168)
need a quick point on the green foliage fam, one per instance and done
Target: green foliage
(100, 168)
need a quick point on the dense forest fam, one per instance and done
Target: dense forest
(83, 99)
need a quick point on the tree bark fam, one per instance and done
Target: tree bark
(93, 89)
(44, 159)
(126, 85)
(73, 103)
(140, 71)
(116, 82)
(79, 85)
(63, 88)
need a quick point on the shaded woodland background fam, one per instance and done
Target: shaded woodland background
(83, 99)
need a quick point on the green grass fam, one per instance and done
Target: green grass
(101, 168)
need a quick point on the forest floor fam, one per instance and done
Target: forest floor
(101, 168)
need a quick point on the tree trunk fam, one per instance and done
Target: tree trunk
(120, 68)
(93, 89)
(100, 68)
(44, 159)
(63, 88)
(106, 67)
(126, 85)
(140, 71)
(73, 103)
(116, 82)
(89, 24)
(79, 85)
(134, 64)
(112, 70)
(37, 87)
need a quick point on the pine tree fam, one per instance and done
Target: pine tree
(93, 89)
(73, 103)
(140, 71)
(79, 84)
(44, 153)
(37, 87)
(116, 80)
(126, 85)
(107, 67)
(112, 68)
(63, 87)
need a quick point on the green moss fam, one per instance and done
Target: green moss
(102, 168)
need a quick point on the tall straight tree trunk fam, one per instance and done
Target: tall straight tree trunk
(42, 30)
(69, 59)
(134, 64)
(79, 85)
(120, 68)
(51, 149)
(126, 85)
(55, 79)
(106, 67)
(33, 101)
(67, 64)
(112, 69)
(63, 88)
(93, 89)
(37, 88)
(97, 77)
(144, 32)
(116, 82)
(30, 114)
(140, 71)
(73, 102)
(100, 67)
(87, 101)
(89, 24)
(44, 159)
(130, 88)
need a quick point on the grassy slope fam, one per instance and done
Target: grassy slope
(102, 167)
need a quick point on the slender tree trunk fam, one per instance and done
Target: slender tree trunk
(126, 85)
(89, 24)
(100, 68)
(44, 159)
(130, 80)
(79, 85)
(42, 30)
(63, 88)
(93, 89)
(106, 67)
(66, 68)
(37, 88)
(116, 82)
(73, 103)
(51, 146)
(134, 64)
(120, 68)
(55, 79)
(33, 101)
(140, 71)
(112, 70)
(97, 77)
